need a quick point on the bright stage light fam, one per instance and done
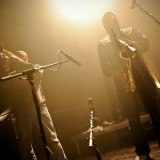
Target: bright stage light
(81, 11)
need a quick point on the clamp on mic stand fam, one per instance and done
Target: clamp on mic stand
(29, 74)
(149, 14)
(91, 139)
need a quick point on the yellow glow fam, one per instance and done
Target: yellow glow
(158, 84)
(82, 11)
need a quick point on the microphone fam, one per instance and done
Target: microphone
(129, 46)
(122, 42)
(91, 105)
(132, 6)
(70, 58)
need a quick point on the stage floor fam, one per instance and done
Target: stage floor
(126, 153)
(113, 141)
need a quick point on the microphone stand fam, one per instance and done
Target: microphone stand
(91, 139)
(92, 143)
(91, 128)
(29, 74)
(149, 14)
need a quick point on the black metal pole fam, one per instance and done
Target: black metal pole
(34, 94)
(149, 14)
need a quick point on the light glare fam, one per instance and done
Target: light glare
(82, 10)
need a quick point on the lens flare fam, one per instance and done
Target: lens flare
(81, 11)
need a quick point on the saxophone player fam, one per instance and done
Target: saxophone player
(131, 78)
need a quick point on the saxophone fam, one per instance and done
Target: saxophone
(127, 57)
(128, 75)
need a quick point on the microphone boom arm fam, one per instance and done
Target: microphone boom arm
(28, 71)
(149, 14)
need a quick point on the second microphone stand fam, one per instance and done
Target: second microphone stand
(30, 78)
(91, 139)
